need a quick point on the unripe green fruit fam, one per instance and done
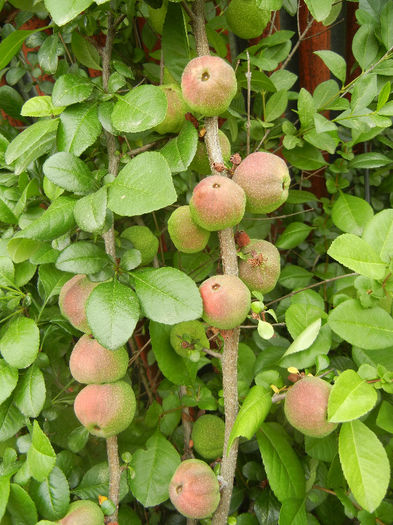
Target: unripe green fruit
(176, 111)
(265, 179)
(105, 410)
(186, 235)
(208, 85)
(157, 17)
(188, 336)
(92, 363)
(143, 240)
(226, 301)
(306, 404)
(217, 203)
(200, 162)
(245, 19)
(261, 270)
(208, 436)
(83, 512)
(194, 489)
(72, 301)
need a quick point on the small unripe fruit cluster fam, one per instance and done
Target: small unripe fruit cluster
(106, 406)
(306, 404)
(194, 489)
(188, 339)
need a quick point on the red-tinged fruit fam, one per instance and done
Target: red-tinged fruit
(261, 268)
(177, 108)
(186, 235)
(72, 301)
(194, 489)
(83, 512)
(105, 410)
(208, 85)
(200, 162)
(265, 179)
(217, 203)
(91, 363)
(226, 301)
(306, 404)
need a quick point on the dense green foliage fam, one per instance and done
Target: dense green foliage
(330, 313)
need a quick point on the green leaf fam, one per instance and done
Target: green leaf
(370, 328)
(365, 464)
(11, 420)
(174, 41)
(142, 108)
(10, 45)
(253, 412)
(96, 482)
(79, 128)
(265, 329)
(283, 468)
(82, 257)
(293, 512)
(143, 185)
(180, 151)
(71, 88)
(154, 468)
(52, 496)
(21, 506)
(64, 11)
(173, 367)
(319, 9)
(7, 271)
(4, 494)
(90, 211)
(365, 46)
(306, 157)
(41, 457)
(8, 380)
(20, 342)
(334, 62)
(351, 397)
(370, 160)
(112, 313)
(7, 215)
(11, 101)
(52, 280)
(385, 417)
(40, 107)
(276, 105)
(305, 339)
(306, 108)
(30, 393)
(293, 277)
(354, 253)
(47, 54)
(293, 235)
(167, 295)
(33, 142)
(350, 214)
(387, 24)
(378, 233)
(85, 51)
(54, 222)
(69, 172)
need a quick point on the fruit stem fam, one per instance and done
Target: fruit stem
(230, 267)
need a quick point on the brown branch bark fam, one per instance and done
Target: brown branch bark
(229, 265)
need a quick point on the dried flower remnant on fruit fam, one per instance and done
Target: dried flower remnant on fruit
(242, 239)
(260, 269)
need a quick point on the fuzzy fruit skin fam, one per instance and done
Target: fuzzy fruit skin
(143, 240)
(208, 85)
(217, 203)
(208, 436)
(265, 179)
(91, 363)
(177, 108)
(226, 301)
(194, 489)
(306, 405)
(72, 301)
(260, 276)
(193, 332)
(83, 512)
(105, 410)
(245, 19)
(200, 162)
(186, 235)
